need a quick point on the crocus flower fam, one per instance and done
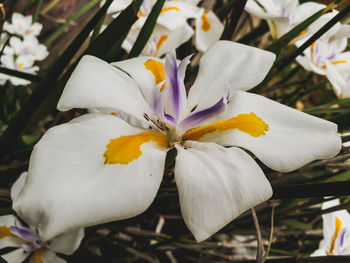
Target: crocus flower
(28, 48)
(336, 232)
(282, 15)
(98, 168)
(20, 64)
(27, 241)
(22, 26)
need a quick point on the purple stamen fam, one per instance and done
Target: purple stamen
(200, 116)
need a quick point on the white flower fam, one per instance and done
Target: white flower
(327, 57)
(29, 47)
(336, 232)
(172, 29)
(21, 63)
(208, 30)
(161, 41)
(22, 26)
(98, 168)
(283, 15)
(117, 6)
(27, 241)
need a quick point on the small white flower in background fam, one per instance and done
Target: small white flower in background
(22, 26)
(172, 28)
(20, 64)
(99, 168)
(23, 49)
(336, 231)
(283, 15)
(327, 57)
(27, 242)
(29, 47)
(161, 41)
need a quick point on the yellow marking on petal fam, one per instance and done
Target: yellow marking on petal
(335, 63)
(127, 148)
(248, 123)
(38, 254)
(162, 87)
(312, 47)
(205, 23)
(20, 65)
(30, 31)
(157, 69)
(338, 225)
(6, 232)
(114, 113)
(301, 33)
(170, 8)
(161, 40)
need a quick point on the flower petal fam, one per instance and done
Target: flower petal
(97, 84)
(175, 87)
(146, 77)
(18, 185)
(175, 13)
(67, 243)
(225, 183)
(225, 68)
(15, 256)
(292, 140)
(70, 186)
(208, 30)
(7, 238)
(43, 255)
(175, 38)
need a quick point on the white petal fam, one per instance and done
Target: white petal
(117, 6)
(18, 185)
(344, 31)
(175, 38)
(15, 256)
(340, 86)
(225, 183)
(48, 256)
(293, 139)
(69, 186)
(67, 243)
(97, 84)
(144, 78)
(270, 9)
(304, 11)
(206, 38)
(8, 221)
(225, 68)
(172, 19)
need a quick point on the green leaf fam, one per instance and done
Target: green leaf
(146, 30)
(283, 41)
(20, 74)
(115, 32)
